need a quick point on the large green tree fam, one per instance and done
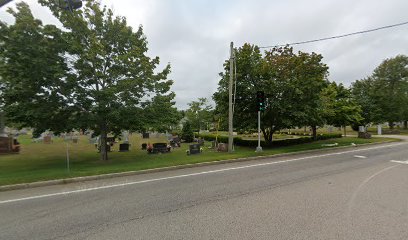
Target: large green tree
(342, 109)
(35, 87)
(291, 81)
(94, 74)
(114, 77)
(384, 95)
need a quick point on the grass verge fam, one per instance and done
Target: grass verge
(39, 161)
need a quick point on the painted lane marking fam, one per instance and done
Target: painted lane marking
(403, 162)
(192, 174)
(358, 156)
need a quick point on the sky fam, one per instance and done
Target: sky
(194, 36)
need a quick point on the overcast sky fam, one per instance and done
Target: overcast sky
(194, 36)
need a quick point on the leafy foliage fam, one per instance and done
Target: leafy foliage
(384, 95)
(35, 86)
(93, 75)
(291, 81)
(199, 113)
(187, 133)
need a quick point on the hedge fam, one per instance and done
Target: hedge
(278, 143)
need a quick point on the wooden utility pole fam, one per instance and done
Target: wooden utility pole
(230, 113)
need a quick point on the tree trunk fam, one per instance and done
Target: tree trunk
(2, 124)
(268, 135)
(345, 131)
(314, 129)
(104, 152)
(405, 124)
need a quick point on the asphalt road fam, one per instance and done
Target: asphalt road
(358, 193)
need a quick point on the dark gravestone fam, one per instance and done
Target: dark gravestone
(160, 148)
(9, 145)
(144, 146)
(175, 142)
(145, 135)
(5, 145)
(200, 141)
(124, 147)
(194, 149)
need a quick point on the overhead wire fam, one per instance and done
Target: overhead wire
(338, 36)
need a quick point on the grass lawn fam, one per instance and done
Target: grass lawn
(39, 161)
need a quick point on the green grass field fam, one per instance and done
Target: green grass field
(39, 161)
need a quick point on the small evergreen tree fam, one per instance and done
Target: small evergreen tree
(187, 132)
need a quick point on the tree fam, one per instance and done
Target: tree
(363, 93)
(384, 95)
(199, 113)
(343, 110)
(35, 86)
(94, 75)
(291, 82)
(187, 133)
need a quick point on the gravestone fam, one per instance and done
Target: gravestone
(144, 146)
(124, 147)
(9, 145)
(4, 144)
(194, 149)
(125, 135)
(145, 135)
(47, 139)
(222, 147)
(175, 142)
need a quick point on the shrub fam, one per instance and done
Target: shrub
(187, 132)
(278, 143)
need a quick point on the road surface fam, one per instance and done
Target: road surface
(358, 193)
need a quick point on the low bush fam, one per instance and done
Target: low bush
(277, 143)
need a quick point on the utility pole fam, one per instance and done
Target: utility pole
(230, 113)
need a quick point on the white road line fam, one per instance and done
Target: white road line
(403, 162)
(358, 156)
(194, 174)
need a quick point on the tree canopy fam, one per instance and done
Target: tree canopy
(383, 96)
(291, 82)
(94, 74)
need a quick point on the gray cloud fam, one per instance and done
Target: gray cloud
(194, 36)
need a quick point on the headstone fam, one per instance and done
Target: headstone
(4, 144)
(47, 139)
(146, 135)
(9, 145)
(124, 147)
(125, 135)
(379, 130)
(144, 146)
(222, 147)
(194, 149)
(330, 128)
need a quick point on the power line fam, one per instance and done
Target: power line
(339, 36)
